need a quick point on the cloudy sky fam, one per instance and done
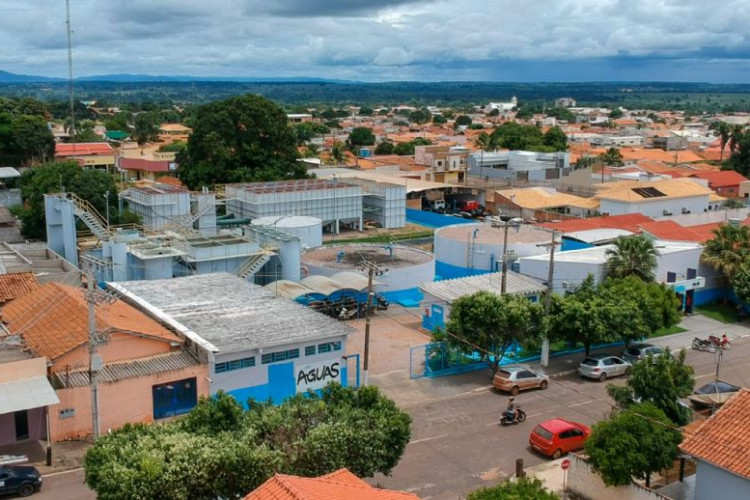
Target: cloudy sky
(379, 40)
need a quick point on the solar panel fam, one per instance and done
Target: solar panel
(648, 192)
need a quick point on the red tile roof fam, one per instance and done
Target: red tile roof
(83, 149)
(143, 164)
(628, 222)
(16, 285)
(670, 230)
(339, 485)
(53, 320)
(172, 181)
(721, 178)
(724, 439)
(705, 231)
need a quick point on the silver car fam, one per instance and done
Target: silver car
(602, 366)
(636, 352)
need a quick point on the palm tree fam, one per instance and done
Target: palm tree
(612, 157)
(725, 132)
(728, 250)
(735, 137)
(632, 256)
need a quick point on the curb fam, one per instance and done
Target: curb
(562, 374)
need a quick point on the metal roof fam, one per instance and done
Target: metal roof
(598, 235)
(25, 394)
(321, 284)
(9, 173)
(224, 313)
(114, 372)
(450, 290)
(287, 289)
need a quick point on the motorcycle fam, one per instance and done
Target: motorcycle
(703, 345)
(512, 417)
(721, 343)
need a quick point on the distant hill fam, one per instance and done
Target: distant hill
(6, 77)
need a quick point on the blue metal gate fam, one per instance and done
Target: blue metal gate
(174, 398)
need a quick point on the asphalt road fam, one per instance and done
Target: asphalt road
(457, 445)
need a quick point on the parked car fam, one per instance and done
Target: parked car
(20, 480)
(516, 378)
(558, 436)
(636, 352)
(603, 366)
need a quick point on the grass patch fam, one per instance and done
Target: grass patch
(667, 331)
(384, 238)
(725, 313)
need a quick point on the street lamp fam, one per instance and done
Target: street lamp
(106, 196)
(516, 223)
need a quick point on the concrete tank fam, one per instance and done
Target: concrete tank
(468, 249)
(309, 230)
(407, 266)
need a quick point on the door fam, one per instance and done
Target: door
(618, 366)
(526, 379)
(22, 425)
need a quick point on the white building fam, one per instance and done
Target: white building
(617, 140)
(502, 106)
(656, 199)
(519, 165)
(256, 345)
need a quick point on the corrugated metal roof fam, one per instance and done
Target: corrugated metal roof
(9, 173)
(287, 289)
(122, 370)
(450, 290)
(26, 394)
(321, 284)
(228, 314)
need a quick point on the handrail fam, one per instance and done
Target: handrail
(85, 206)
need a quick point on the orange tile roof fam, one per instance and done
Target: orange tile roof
(15, 285)
(724, 439)
(629, 153)
(53, 320)
(83, 148)
(670, 230)
(721, 178)
(339, 485)
(172, 181)
(628, 222)
(705, 231)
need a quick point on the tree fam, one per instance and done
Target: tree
(660, 380)
(728, 249)
(585, 161)
(25, 140)
(462, 120)
(633, 444)
(420, 116)
(741, 283)
(736, 134)
(739, 160)
(241, 139)
(522, 489)
(556, 139)
(524, 113)
(517, 137)
(439, 119)
(616, 113)
(361, 136)
(52, 178)
(421, 141)
(490, 324)
(384, 148)
(731, 203)
(311, 150)
(337, 152)
(219, 451)
(173, 147)
(588, 317)
(724, 132)
(632, 256)
(365, 111)
(612, 157)
(145, 128)
(404, 149)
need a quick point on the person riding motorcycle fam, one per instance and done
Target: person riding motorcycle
(511, 410)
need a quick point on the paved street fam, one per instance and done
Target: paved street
(65, 486)
(457, 445)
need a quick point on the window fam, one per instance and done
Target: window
(67, 413)
(310, 350)
(275, 357)
(329, 346)
(235, 364)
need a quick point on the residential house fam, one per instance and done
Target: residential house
(148, 167)
(25, 396)
(143, 371)
(339, 485)
(15, 285)
(542, 203)
(720, 447)
(724, 182)
(87, 154)
(446, 163)
(256, 345)
(657, 198)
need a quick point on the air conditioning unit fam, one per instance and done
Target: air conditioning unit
(666, 212)
(685, 210)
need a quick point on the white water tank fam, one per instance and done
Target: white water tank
(309, 230)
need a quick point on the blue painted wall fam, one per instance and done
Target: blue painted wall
(431, 219)
(281, 385)
(568, 244)
(449, 271)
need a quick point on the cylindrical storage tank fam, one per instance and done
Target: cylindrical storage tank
(407, 267)
(289, 254)
(309, 230)
(467, 249)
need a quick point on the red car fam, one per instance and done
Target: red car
(556, 437)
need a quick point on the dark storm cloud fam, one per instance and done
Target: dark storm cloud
(324, 8)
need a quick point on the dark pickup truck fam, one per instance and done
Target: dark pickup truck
(20, 480)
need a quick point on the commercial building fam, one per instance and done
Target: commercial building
(149, 167)
(439, 295)
(656, 198)
(256, 345)
(519, 165)
(87, 154)
(616, 140)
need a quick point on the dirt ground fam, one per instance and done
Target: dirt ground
(392, 333)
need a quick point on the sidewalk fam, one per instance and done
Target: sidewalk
(696, 326)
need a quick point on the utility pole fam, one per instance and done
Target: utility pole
(72, 131)
(372, 270)
(106, 196)
(548, 299)
(516, 222)
(94, 358)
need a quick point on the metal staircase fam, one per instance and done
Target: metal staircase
(90, 216)
(253, 264)
(204, 205)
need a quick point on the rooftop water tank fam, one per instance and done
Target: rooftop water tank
(309, 230)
